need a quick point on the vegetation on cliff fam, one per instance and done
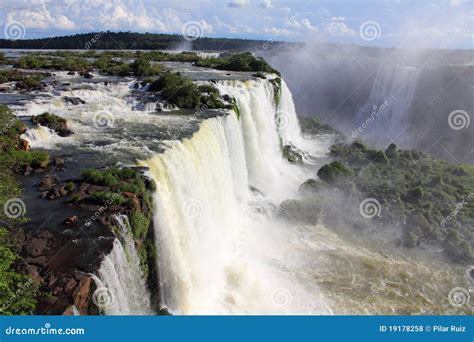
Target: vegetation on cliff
(430, 200)
(314, 126)
(237, 62)
(125, 191)
(184, 93)
(17, 292)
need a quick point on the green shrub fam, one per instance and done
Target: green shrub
(336, 173)
(17, 292)
(47, 119)
(237, 62)
(140, 224)
(69, 186)
(107, 198)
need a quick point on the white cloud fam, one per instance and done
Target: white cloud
(238, 3)
(337, 27)
(41, 19)
(278, 31)
(454, 2)
(266, 4)
(307, 24)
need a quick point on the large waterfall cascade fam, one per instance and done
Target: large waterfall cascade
(218, 254)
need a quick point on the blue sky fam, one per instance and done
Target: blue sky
(397, 23)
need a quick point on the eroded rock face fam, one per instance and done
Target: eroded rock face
(61, 267)
(24, 145)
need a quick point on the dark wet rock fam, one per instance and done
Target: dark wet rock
(72, 220)
(336, 173)
(27, 169)
(72, 73)
(310, 187)
(307, 210)
(36, 246)
(58, 162)
(24, 145)
(293, 154)
(164, 312)
(54, 122)
(255, 190)
(82, 296)
(41, 260)
(211, 113)
(48, 182)
(86, 74)
(74, 100)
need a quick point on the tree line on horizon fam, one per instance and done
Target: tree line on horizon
(106, 40)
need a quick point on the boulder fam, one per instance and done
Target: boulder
(74, 100)
(72, 220)
(36, 246)
(336, 174)
(24, 145)
(48, 183)
(58, 162)
(82, 294)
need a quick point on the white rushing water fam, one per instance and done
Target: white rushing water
(121, 287)
(221, 248)
(390, 99)
(218, 254)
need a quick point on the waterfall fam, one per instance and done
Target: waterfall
(217, 252)
(391, 96)
(288, 127)
(41, 137)
(120, 278)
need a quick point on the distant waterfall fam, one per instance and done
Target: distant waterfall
(392, 93)
(215, 249)
(120, 277)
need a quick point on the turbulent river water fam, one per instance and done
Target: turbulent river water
(221, 246)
